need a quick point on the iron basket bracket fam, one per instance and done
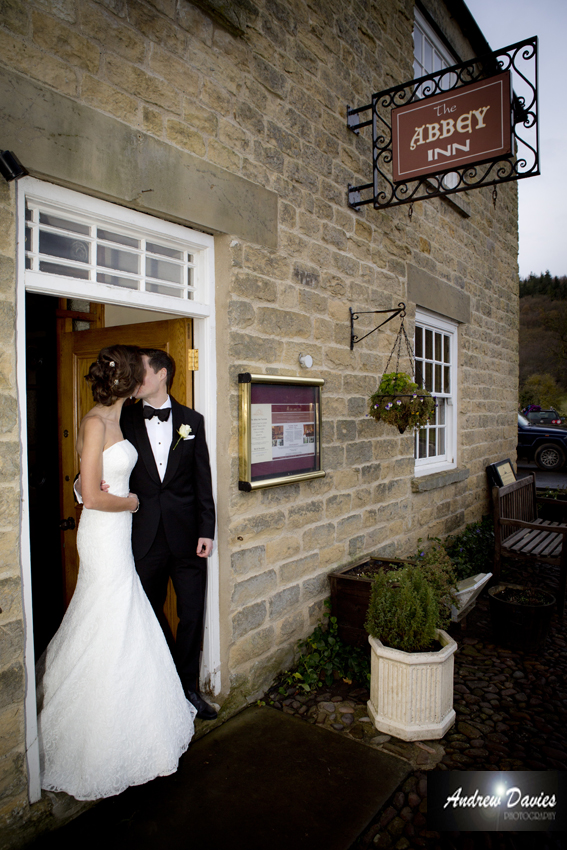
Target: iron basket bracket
(399, 310)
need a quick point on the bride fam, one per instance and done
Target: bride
(112, 708)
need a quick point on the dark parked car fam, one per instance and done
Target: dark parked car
(546, 446)
(544, 417)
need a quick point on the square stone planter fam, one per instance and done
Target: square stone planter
(350, 595)
(411, 693)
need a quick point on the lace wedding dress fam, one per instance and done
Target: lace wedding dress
(113, 712)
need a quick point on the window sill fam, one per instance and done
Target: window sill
(438, 479)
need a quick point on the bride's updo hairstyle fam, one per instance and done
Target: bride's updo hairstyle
(117, 373)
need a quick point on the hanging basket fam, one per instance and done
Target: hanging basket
(399, 400)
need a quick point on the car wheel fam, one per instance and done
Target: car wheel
(549, 457)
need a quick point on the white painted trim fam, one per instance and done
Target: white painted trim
(30, 701)
(428, 466)
(203, 312)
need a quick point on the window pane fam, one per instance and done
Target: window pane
(115, 258)
(447, 371)
(431, 448)
(438, 384)
(447, 349)
(427, 56)
(429, 344)
(438, 346)
(119, 238)
(63, 223)
(164, 251)
(422, 449)
(66, 271)
(113, 280)
(419, 342)
(441, 441)
(441, 410)
(28, 239)
(163, 270)
(164, 290)
(417, 43)
(29, 214)
(66, 247)
(429, 377)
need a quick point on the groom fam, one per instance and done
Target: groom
(173, 530)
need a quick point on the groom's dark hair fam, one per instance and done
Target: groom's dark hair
(159, 359)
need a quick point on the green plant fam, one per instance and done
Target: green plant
(437, 568)
(401, 402)
(472, 551)
(323, 658)
(403, 612)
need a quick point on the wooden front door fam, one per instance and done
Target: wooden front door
(77, 350)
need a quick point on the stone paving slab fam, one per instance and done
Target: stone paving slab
(264, 780)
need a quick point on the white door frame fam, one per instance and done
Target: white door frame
(205, 390)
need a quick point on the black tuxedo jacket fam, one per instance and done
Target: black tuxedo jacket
(184, 499)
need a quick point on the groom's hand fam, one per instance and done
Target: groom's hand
(204, 547)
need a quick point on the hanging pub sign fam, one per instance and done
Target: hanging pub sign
(468, 125)
(476, 121)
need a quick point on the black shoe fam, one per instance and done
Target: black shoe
(204, 710)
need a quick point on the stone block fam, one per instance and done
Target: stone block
(15, 16)
(12, 642)
(332, 556)
(254, 526)
(283, 323)
(348, 526)
(247, 619)
(359, 453)
(291, 627)
(248, 560)
(12, 686)
(201, 119)
(245, 348)
(183, 136)
(268, 263)
(13, 779)
(337, 505)
(281, 549)
(269, 77)
(65, 43)
(9, 462)
(316, 586)
(251, 646)
(254, 589)
(318, 537)
(346, 430)
(281, 495)
(223, 156)
(157, 28)
(254, 287)
(7, 275)
(108, 99)
(301, 515)
(139, 83)
(99, 26)
(10, 598)
(293, 571)
(283, 601)
(12, 729)
(8, 413)
(240, 314)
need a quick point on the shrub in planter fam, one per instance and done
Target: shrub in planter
(411, 680)
(521, 616)
(401, 402)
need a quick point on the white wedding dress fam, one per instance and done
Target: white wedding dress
(113, 712)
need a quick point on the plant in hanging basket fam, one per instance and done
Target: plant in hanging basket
(399, 401)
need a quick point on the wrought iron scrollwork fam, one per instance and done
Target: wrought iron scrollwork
(521, 60)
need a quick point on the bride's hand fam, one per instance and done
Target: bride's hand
(135, 502)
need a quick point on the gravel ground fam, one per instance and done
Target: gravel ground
(511, 711)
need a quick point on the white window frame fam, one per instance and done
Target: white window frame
(440, 463)
(423, 31)
(201, 308)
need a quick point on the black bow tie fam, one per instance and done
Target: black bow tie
(163, 415)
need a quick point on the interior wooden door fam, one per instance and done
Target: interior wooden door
(77, 350)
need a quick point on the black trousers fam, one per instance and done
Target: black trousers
(189, 577)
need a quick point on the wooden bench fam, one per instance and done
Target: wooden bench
(519, 533)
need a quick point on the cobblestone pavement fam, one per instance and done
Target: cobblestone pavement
(511, 711)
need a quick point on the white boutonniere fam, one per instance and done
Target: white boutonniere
(183, 431)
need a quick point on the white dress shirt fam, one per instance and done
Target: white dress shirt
(160, 435)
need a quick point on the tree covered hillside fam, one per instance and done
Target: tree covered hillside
(543, 332)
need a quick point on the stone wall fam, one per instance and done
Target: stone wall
(262, 98)
(13, 779)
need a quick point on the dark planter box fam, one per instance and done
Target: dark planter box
(553, 510)
(517, 625)
(350, 595)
